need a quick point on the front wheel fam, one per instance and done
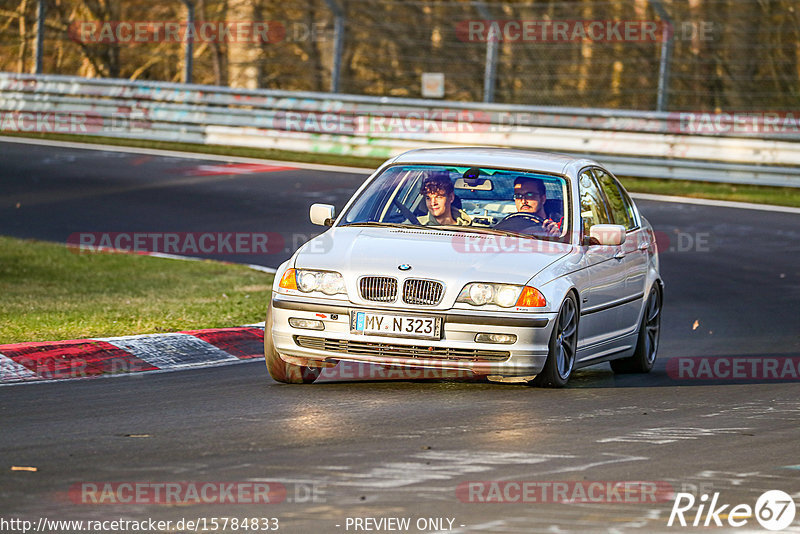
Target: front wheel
(282, 371)
(644, 356)
(562, 348)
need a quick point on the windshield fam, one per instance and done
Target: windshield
(465, 199)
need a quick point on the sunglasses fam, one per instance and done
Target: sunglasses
(528, 195)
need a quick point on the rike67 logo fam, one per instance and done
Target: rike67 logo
(774, 510)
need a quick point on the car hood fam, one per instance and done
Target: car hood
(453, 257)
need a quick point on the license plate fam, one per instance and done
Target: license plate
(384, 324)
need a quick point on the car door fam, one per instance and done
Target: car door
(600, 312)
(634, 249)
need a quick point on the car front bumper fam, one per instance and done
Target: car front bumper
(456, 350)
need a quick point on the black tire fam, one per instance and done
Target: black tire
(562, 347)
(280, 370)
(644, 356)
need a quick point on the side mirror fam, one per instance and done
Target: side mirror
(322, 214)
(608, 234)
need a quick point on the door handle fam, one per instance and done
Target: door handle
(619, 255)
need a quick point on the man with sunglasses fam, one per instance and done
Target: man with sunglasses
(530, 195)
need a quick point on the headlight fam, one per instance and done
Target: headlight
(332, 283)
(329, 282)
(307, 281)
(507, 296)
(480, 294)
(503, 295)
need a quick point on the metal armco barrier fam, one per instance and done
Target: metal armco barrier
(631, 143)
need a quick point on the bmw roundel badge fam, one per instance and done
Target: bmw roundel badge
(404, 267)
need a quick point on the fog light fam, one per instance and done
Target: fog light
(505, 339)
(308, 324)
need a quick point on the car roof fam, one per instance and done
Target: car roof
(549, 162)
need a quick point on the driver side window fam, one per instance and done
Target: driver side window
(593, 207)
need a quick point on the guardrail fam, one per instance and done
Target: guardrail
(631, 143)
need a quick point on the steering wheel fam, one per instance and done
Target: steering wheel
(522, 223)
(407, 213)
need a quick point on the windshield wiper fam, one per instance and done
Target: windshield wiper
(383, 224)
(486, 230)
(451, 228)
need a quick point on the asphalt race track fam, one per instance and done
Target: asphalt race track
(350, 449)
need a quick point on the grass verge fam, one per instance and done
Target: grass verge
(51, 292)
(782, 196)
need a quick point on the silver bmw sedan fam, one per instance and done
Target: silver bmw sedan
(512, 265)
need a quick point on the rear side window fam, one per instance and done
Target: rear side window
(619, 203)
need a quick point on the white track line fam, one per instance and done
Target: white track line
(187, 155)
(716, 203)
(262, 268)
(237, 361)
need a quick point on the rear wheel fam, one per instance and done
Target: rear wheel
(282, 371)
(563, 344)
(644, 356)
